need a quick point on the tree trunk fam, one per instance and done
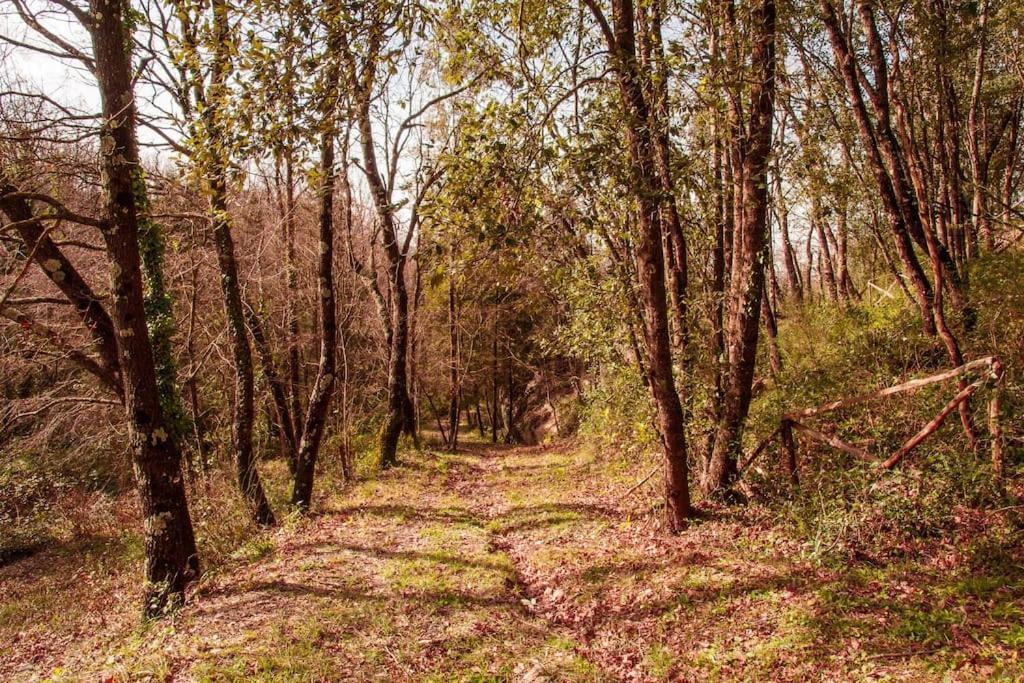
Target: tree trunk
(453, 368)
(399, 403)
(771, 329)
(245, 461)
(510, 435)
(825, 263)
(323, 385)
(63, 274)
(647, 185)
(495, 409)
(749, 255)
(789, 255)
(278, 390)
(171, 559)
(895, 212)
(673, 234)
(846, 288)
(292, 283)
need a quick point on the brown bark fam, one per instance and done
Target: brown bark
(771, 329)
(323, 385)
(217, 188)
(401, 412)
(825, 263)
(171, 559)
(933, 424)
(453, 367)
(896, 161)
(749, 253)
(399, 402)
(245, 461)
(895, 211)
(278, 389)
(495, 409)
(674, 236)
(809, 266)
(789, 451)
(621, 41)
(292, 283)
(789, 260)
(982, 221)
(846, 287)
(63, 274)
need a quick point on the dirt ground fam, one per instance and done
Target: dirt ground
(520, 564)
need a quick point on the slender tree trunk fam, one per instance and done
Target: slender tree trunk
(199, 428)
(809, 258)
(895, 162)
(411, 420)
(674, 236)
(292, 283)
(278, 390)
(217, 188)
(323, 385)
(510, 432)
(749, 255)
(495, 409)
(771, 329)
(846, 287)
(620, 36)
(896, 213)
(789, 260)
(889, 261)
(723, 221)
(453, 368)
(245, 461)
(825, 263)
(982, 222)
(1010, 168)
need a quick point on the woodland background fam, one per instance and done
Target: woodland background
(257, 256)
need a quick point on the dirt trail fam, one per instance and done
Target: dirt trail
(410, 576)
(527, 564)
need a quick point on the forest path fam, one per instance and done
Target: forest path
(501, 563)
(411, 575)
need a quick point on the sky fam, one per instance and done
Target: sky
(60, 79)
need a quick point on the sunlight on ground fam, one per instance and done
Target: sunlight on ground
(527, 564)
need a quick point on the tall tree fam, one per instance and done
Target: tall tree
(751, 137)
(647, 184)
(205, 31)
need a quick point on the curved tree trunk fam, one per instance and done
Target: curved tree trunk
(245, 461)
(650, 262)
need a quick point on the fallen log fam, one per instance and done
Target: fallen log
(996, 376)
(986, 362)
(831, 440)
(934, 424)
(757, 451)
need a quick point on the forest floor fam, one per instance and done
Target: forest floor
(525, 564)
